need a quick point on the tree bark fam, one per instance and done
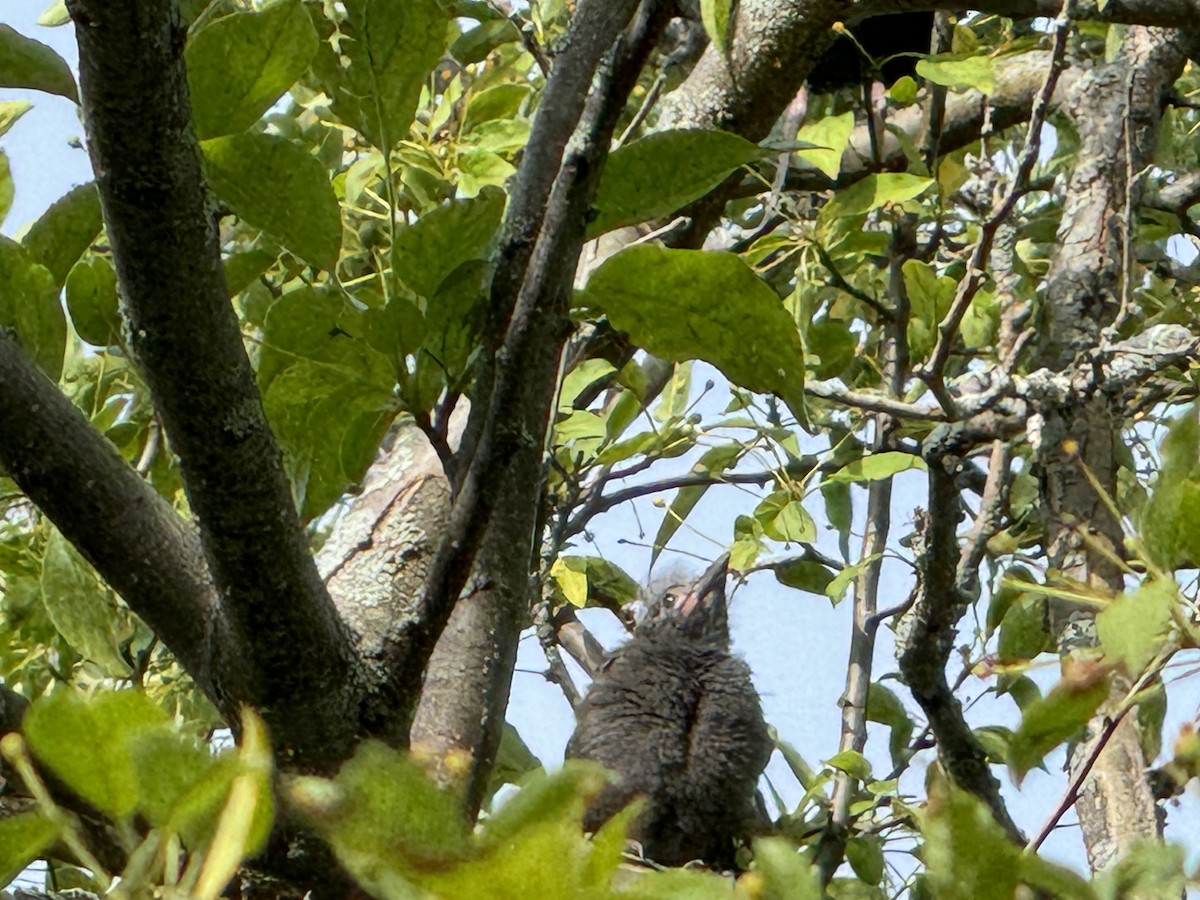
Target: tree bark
(1116, 110)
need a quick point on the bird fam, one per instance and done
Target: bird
(676, 717)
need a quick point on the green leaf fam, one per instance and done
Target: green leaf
(1149, 869)
(426, 252)
(277, 186)
(966, 851)
(715, 15)
(89, 743)
(875, 191)
(238, 65)
(1024, 632)
(475, 44)
(91, 291)
(783, 518)
(23, 838)
(480, 169)
(396, 330)
(593, 581)
(1133, 627)
(329, 423)
(29, 306)
(846, 577)
(884, 707)
(242, 269)
(876, 467)
(499, 101)
(26, 63)
(804, 575)
(389, 47)
(455, 318)
(514, 761)
(55, 15)
(830, 347)
(385, 814)
(170, 767)
(852, 763)
(1170, 520)
(6, 186)
(59, 238)
(691, 304)
(865, 855)
(571, 580)
(1057, 717)
(656, 175)
(11, 112)
(80, 607)
(832, 133)
(786, 875)
(978, 72)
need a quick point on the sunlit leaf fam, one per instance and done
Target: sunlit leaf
(656, 175)
(238, 65)
(23, 838)
(1132, 628)
(978, 72)
(876, 467)
(26, 63)
(390, 46)
(875, 191)
(91, 292)
(1057, 717)
(29, 307)
(279, 187)
(687, 304)
(830, 134)
(59, 238)
(100, 769)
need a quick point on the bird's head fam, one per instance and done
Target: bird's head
(697, 610)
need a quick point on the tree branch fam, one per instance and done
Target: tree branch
(498, 503)
(120, 524)
(164, 244)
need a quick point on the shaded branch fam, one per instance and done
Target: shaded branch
(185, 335)
(120, 524)
(500, 494)
(929, 632)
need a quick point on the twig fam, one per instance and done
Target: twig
(874, 403)
(557, 671)
(1111, 723)
(838, 281)
(987, 523)
(603, 503)
(578, 641)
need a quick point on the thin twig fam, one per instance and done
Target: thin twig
(1071, 795)
(874, 403)
(603, 503)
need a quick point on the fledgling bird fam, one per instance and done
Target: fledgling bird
(677, 718)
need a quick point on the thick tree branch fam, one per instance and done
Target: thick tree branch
(164, 244)
(501, 489)
(929, 629)
(1117, 112)
(120, 524)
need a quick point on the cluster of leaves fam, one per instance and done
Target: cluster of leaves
(360, 154)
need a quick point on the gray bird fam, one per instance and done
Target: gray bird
(677, 718)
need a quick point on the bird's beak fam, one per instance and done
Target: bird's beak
(709, 589)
